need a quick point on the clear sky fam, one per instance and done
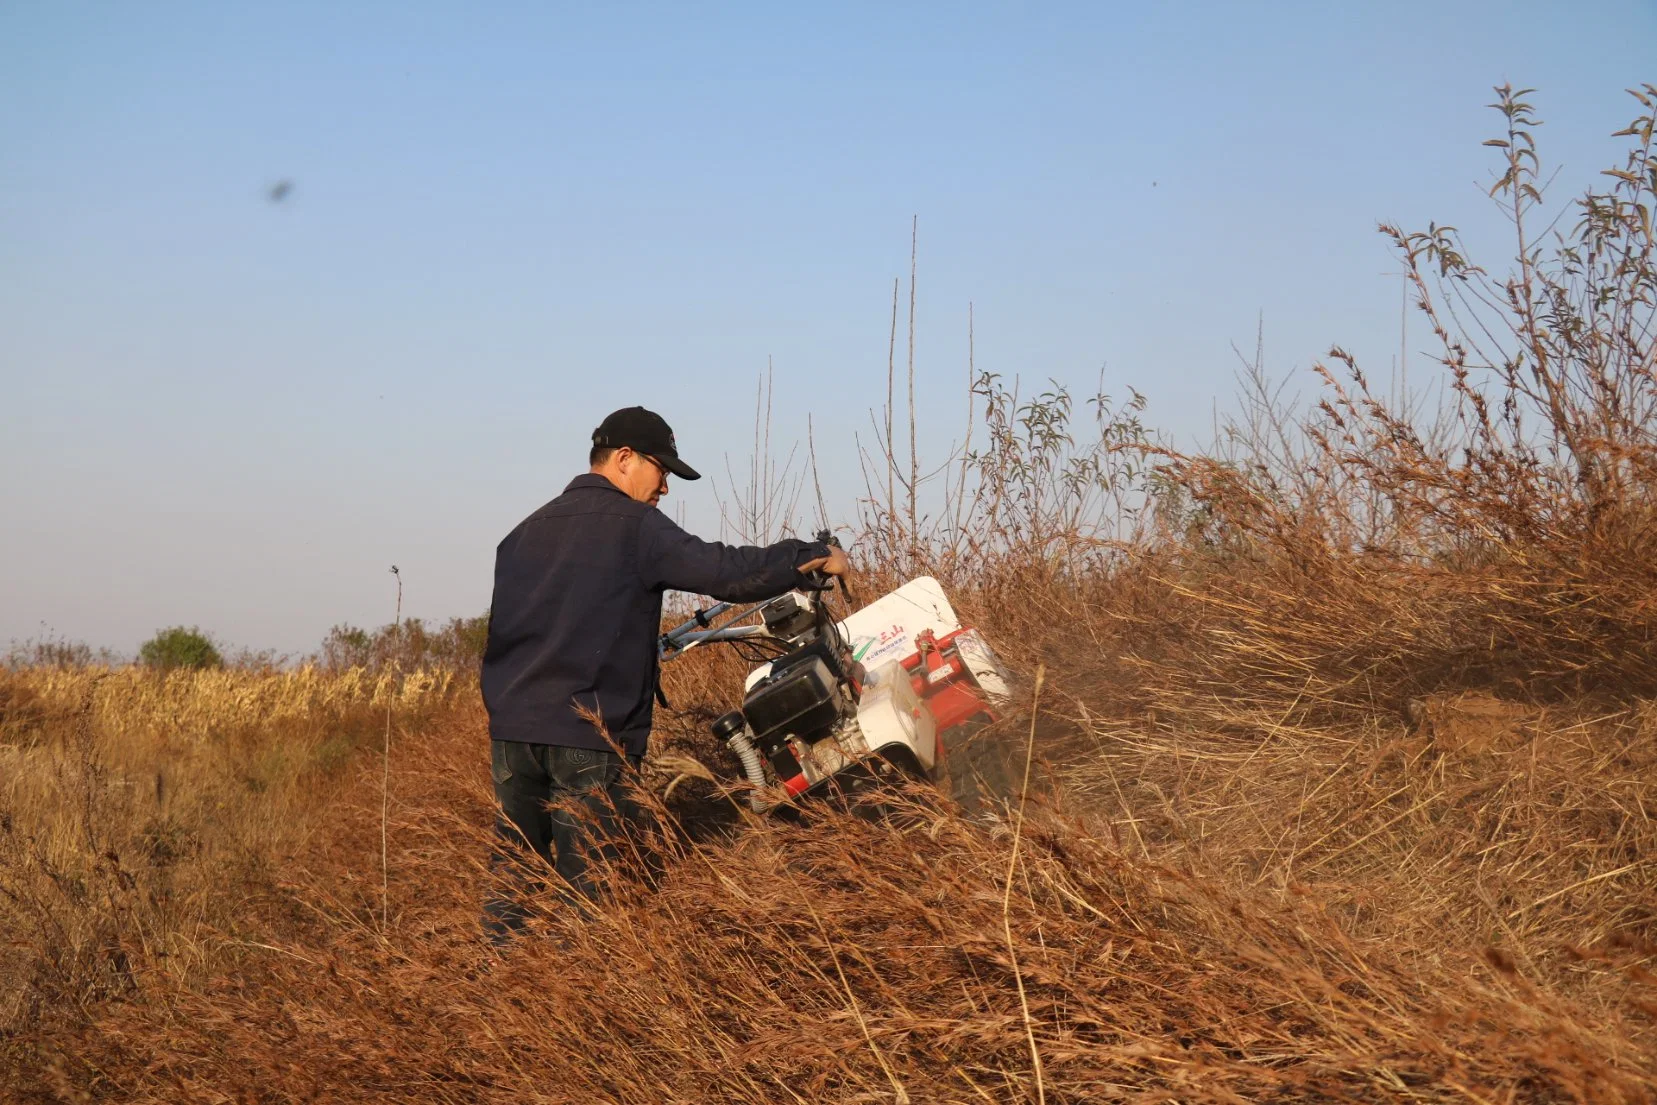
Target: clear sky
(506, 220)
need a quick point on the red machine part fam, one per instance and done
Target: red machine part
(785, 761)
(944, 682)
(796, 784)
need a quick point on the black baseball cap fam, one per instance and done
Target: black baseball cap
(644, 432)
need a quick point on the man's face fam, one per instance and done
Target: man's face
(642, 477)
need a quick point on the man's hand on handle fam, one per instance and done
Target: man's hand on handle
(834, 564)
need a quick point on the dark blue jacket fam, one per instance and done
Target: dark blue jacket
(578, 609)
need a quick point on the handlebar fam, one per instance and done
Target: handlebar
(700, 628)
(722, 633)
(827, 537)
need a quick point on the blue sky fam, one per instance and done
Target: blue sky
(508, 220)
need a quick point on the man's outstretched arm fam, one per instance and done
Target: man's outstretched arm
(673, 559)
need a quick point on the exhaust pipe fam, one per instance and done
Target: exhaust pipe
(733, 730)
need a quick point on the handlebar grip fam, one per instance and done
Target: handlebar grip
(821, 581)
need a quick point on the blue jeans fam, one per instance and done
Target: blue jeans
(569, 806)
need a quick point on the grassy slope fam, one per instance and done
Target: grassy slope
(1146, 940)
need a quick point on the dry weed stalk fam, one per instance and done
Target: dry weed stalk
(385, 775)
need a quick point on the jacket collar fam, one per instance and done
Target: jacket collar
(593, 479)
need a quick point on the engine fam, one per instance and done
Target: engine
(801, 697)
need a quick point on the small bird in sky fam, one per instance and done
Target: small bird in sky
(279, 191)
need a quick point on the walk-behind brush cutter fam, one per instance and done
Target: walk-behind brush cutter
(897, 689)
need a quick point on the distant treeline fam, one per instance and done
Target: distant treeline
(413, 643)
(455, 645)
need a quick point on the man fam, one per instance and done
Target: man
(572, 645)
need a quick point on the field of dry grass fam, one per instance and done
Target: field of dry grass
(1440, 909)
(133, 805)
(1343, 760)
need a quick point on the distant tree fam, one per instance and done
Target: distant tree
(56, 652)
(457, 645)
(180, 647)
(471, 634)
(346, 646)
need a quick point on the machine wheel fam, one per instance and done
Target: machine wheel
(980, 772)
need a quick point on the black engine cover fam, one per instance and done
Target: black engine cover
(800, 700)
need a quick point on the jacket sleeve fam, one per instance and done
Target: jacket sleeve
(671, 559)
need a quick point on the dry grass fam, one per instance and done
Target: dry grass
(136, 809)
(846, 959)
(1159, 945)
(194, 707)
